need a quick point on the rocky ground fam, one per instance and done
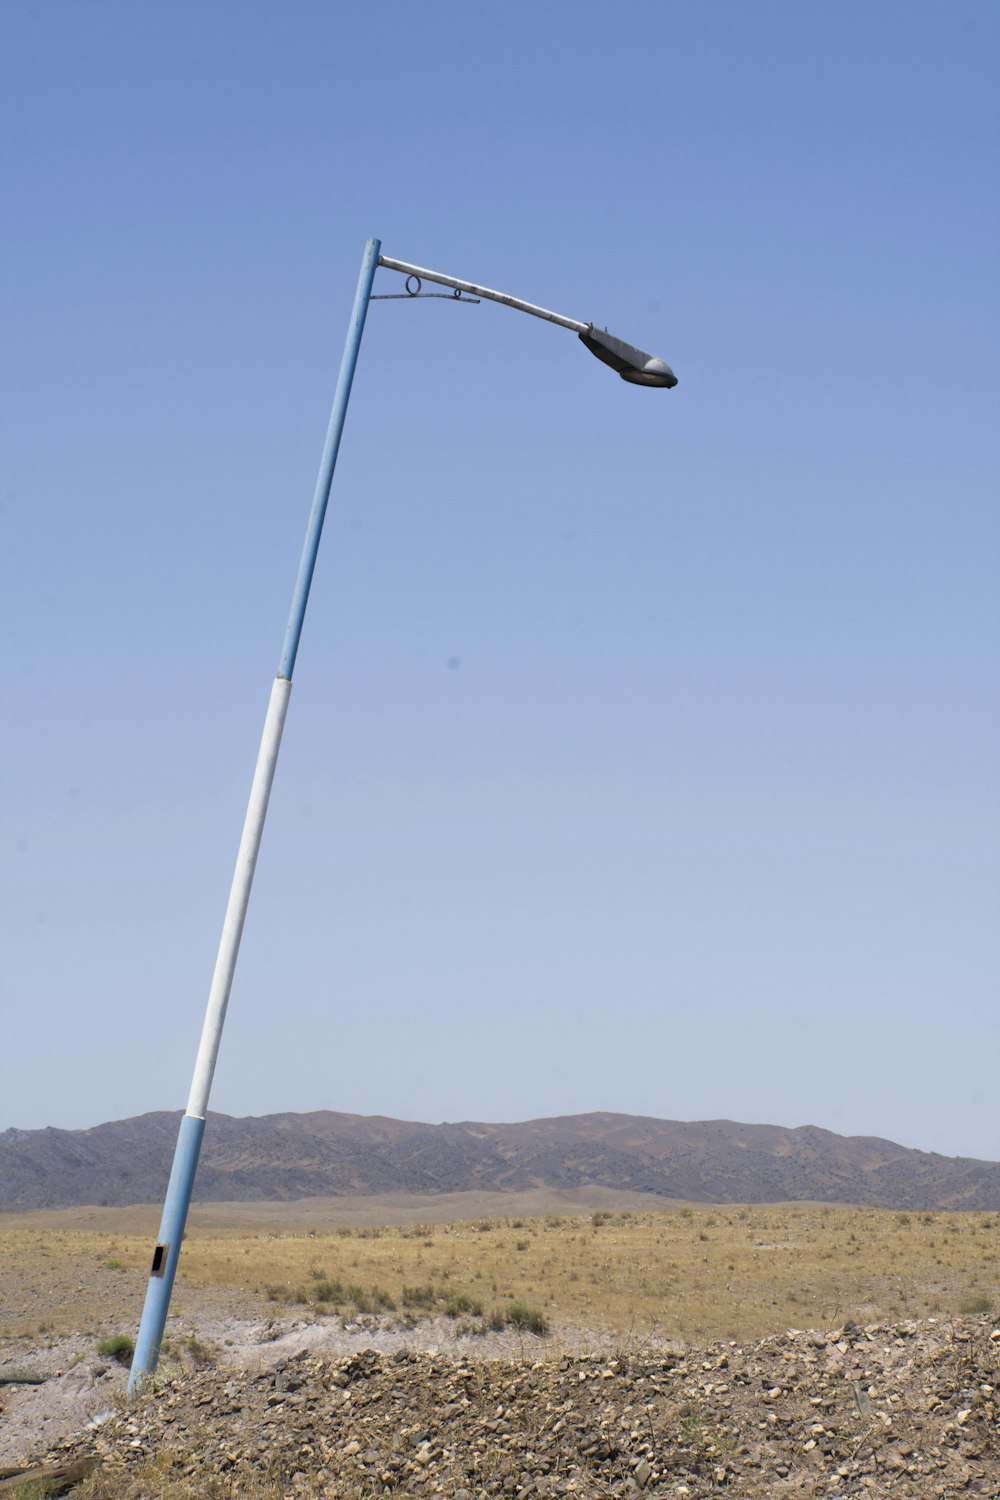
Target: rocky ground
(908, 1410)
(68, 1384)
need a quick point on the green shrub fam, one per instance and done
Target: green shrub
(119, 1347)
(419, 1296)
(198, 1353)
(359, 1298)
(527, 1319)
(453, 1304)
(977, 1303)
(457, 1303)
(327, 1291)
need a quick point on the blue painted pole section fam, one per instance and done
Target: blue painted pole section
(192, 1128)
(168, 1249)
(301, 596)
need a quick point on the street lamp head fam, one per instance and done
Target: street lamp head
(632, 364)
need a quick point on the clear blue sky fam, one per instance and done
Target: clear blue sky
(644, 748)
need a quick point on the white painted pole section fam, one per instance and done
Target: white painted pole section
(483, 291)
(239, 896)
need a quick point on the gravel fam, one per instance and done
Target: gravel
(908, 1409)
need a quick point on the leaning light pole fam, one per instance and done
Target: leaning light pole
(634, 366)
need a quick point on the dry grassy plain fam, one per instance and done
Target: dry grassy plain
(690, 1273)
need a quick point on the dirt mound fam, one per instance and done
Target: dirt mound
(909, 1409)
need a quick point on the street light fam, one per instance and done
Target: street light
(632, 365)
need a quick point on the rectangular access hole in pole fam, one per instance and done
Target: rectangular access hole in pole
(159, 1260)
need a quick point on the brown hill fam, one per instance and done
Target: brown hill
(289, 1156)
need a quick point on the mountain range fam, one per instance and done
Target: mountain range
(323, 1154)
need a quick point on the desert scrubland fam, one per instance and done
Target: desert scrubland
(316, 1352)
(724, 1272)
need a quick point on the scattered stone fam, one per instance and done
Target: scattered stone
(786, 1422)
